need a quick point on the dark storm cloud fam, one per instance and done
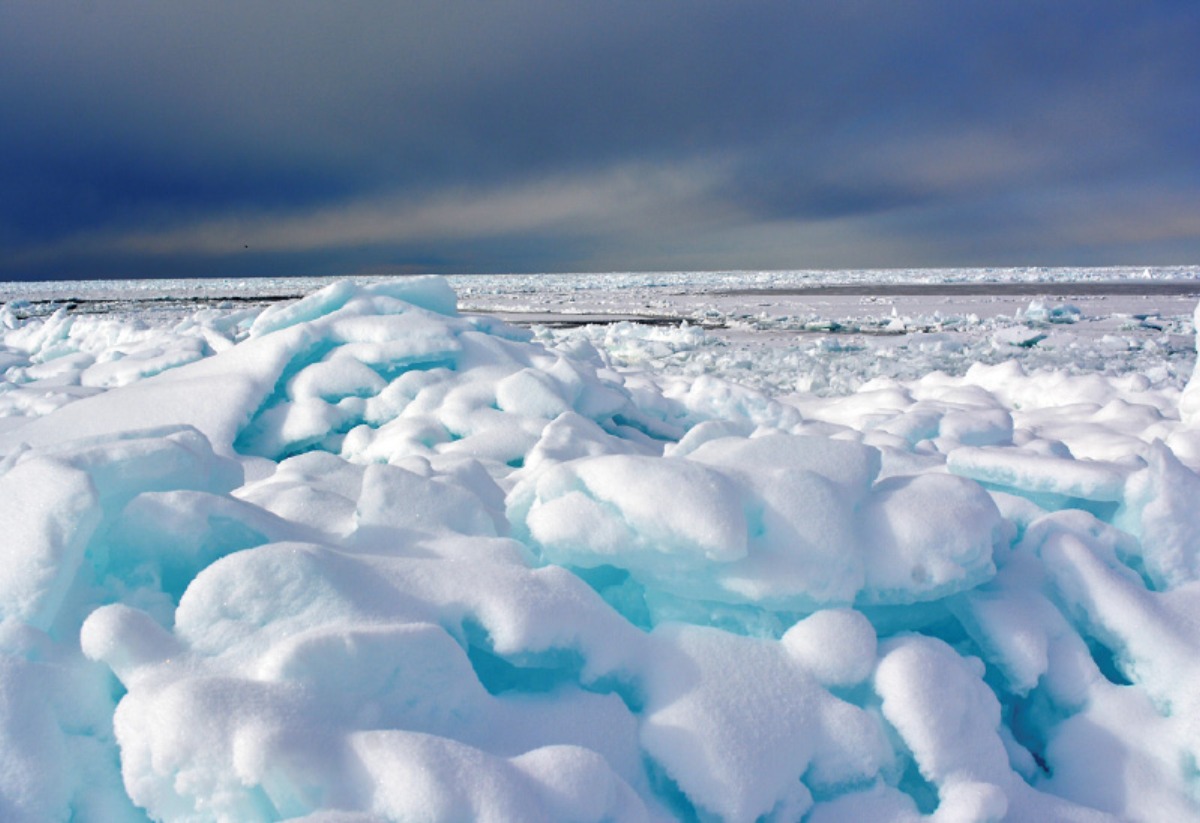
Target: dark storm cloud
(185, 138)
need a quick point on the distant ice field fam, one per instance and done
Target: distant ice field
(555, 287)
(814, 331)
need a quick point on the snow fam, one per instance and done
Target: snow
(373, 553)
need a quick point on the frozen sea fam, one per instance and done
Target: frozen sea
(738, 546)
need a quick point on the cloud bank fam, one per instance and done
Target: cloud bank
(149, 139)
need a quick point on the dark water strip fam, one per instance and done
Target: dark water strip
(41, 307)
(165, 300)
(1178, 288)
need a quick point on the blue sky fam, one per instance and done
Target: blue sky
(152, 139)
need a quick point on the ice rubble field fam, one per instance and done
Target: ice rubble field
(359, 557)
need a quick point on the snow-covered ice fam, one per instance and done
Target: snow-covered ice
(376, 554)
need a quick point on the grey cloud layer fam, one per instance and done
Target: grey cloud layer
(148, 138)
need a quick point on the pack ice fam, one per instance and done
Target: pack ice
(359, 558)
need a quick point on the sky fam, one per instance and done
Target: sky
(231, 139)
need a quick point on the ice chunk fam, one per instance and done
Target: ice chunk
(1022, 633)
(395, 501)
(571, 436)
(783, 521)
(143, 361)
(216, 396)
(431, 293)
(1129, 750)
(50, 511)
(927, 536)
(1040, 474)
(428, 292)
(174, 535)
(977, 427)
(1160, 507)
(704, 432)
(421, 777)
(334, 379)
(803, 550)
(293, 649)
(949, 723)
(746, 731)
(291, 428)
(711, 398)
(316, 490)
(319, 303)
(850, 467)
(1122, 757)
(219, 395)
(392, 342)
(134, 461)
(1039, 312)
(589, 511)
(836, 646)
(56, 746)
(127, 640)
(532, 393)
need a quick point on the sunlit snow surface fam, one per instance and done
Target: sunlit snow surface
(865, 556)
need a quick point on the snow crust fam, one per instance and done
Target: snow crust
(361, 557)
